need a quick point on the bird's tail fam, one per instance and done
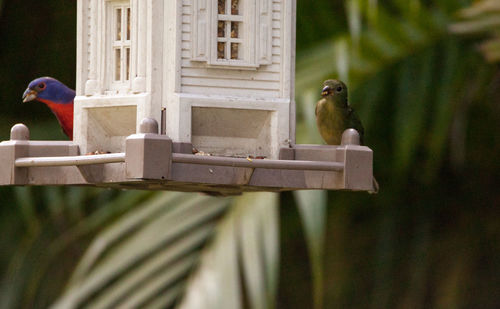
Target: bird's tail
(375, 187)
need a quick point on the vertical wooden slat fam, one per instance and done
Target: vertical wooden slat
(200, 26)
(264, 32)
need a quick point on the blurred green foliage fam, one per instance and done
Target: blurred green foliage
(422, 75)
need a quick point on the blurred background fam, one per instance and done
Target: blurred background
(424, 77)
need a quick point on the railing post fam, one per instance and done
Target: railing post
(16, 147)
(148, 155)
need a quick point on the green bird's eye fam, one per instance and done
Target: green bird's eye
(339, 89)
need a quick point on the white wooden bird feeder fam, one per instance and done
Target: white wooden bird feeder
(216, 75)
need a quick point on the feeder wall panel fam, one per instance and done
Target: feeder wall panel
(199, 77)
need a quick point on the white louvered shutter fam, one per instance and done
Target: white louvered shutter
(264, 31)
(201, 30)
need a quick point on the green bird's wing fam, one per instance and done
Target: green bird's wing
(354, 122)
(317, 106)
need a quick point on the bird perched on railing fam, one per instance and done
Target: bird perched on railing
(334, 115)
(57, 96)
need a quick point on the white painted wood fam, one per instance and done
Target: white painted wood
(154, 61)
(81, 43)
(174, 65)
(288, 33)
(139, 53)
(92, 84)
(264, 31)
(276, 129)
(201, 29)
(105, 121)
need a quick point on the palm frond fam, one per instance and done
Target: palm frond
(159, 241)
(239, 268)
(376, 41)
(483, 18)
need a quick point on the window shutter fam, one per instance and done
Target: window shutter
(264, 31)
(201, 30)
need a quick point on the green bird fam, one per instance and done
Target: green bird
(334, 115)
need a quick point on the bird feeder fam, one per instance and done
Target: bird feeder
(188, 95)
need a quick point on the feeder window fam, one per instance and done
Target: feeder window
(229, 22)
(238, 33)
(118, 68)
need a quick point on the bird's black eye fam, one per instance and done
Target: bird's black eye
(41, 86)
(339, 88)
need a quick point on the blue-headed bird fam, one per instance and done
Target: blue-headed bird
(57, 96)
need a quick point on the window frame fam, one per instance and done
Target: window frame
(245, 40)
(112, 44)
(255, 26)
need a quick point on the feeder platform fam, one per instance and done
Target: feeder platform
(151, 161)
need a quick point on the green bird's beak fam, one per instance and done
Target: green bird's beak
(325, 91)
(29, 95)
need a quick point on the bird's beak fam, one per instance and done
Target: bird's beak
(325, 91)
(29, 95)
